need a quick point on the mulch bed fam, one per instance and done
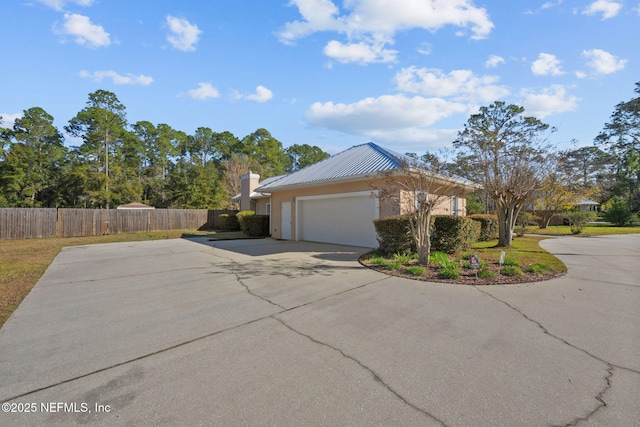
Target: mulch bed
(467, 276)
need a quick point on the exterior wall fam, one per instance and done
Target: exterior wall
(278, 197)
(260, 207)
(396, 203)
(408, 202)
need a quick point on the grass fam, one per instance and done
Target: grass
(525, 249)
(22, 262)
(590, 230)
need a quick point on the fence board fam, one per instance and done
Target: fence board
(29, 223)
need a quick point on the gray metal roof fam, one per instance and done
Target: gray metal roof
(360, 160)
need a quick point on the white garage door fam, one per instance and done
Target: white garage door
(345, 220)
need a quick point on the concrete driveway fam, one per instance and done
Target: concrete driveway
(273, 333)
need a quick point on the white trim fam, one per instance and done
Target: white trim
(374, 194)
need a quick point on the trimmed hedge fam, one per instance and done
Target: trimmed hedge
(242, 215)
(256, 225)
(394, 234)
(488, 226)
(453, 233)
(228, 222)
(448, 234)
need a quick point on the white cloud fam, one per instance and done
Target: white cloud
(377, 22)
(460, 84)
(425, 49)
(551, 100)
(388, 113)
(494, 61)
(118, 79)
(204, 91)
(602, 61)
(262, 95)
(59, 4)
(607, 8)
(183, 35)
(546, 65)
(362, 52)
(85, 32)
(8, 119)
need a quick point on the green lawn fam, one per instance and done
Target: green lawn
(591, 230)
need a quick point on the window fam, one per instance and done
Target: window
(455, 208)
(421, 197)
(268, 208)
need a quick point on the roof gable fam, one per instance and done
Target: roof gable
(358, 161)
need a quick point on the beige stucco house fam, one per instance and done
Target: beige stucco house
(337, 199)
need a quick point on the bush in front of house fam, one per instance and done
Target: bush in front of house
(228, 222)
(488, 226)
(453, 233)
(448, 234)
(255, 225)
(242, 215)
(394, 235)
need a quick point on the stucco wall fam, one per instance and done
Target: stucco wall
(390, 204)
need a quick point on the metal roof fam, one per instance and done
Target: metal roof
(360, 160)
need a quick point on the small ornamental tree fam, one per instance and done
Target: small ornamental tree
(430, 185)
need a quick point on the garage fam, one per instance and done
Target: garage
(345, 219)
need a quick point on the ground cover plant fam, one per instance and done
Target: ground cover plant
(22, 262)
(525, 261)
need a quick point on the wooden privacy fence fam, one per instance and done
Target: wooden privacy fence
(31, 223)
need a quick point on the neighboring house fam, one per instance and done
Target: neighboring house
(337, 199)
(588, 205)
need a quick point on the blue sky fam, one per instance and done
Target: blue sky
(406, 74)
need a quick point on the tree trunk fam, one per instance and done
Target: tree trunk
(505, 225)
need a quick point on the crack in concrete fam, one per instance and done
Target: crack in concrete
(191, 341)
(610, 366)
(373, 373)
(599, 397)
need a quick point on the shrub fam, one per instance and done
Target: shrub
(448, 273)
(229, 222)
(488, 226)
(578, 220)
(523, 220)
(256, 225)
(453, 233)
(618, 212)
(416, 270)
(484, 273)
(242, 215)
(438, 258)
(401, 258)
(511, 270)
(511, 261)
(394, 265)
(394, 235)
(378, 261)
(538, 268)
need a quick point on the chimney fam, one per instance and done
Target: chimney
(248, 183)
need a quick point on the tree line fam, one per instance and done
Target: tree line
(510, 155)
(118, 162)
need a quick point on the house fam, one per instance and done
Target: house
(337, 199)
(588, 205)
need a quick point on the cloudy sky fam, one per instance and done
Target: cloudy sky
(334, 73)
